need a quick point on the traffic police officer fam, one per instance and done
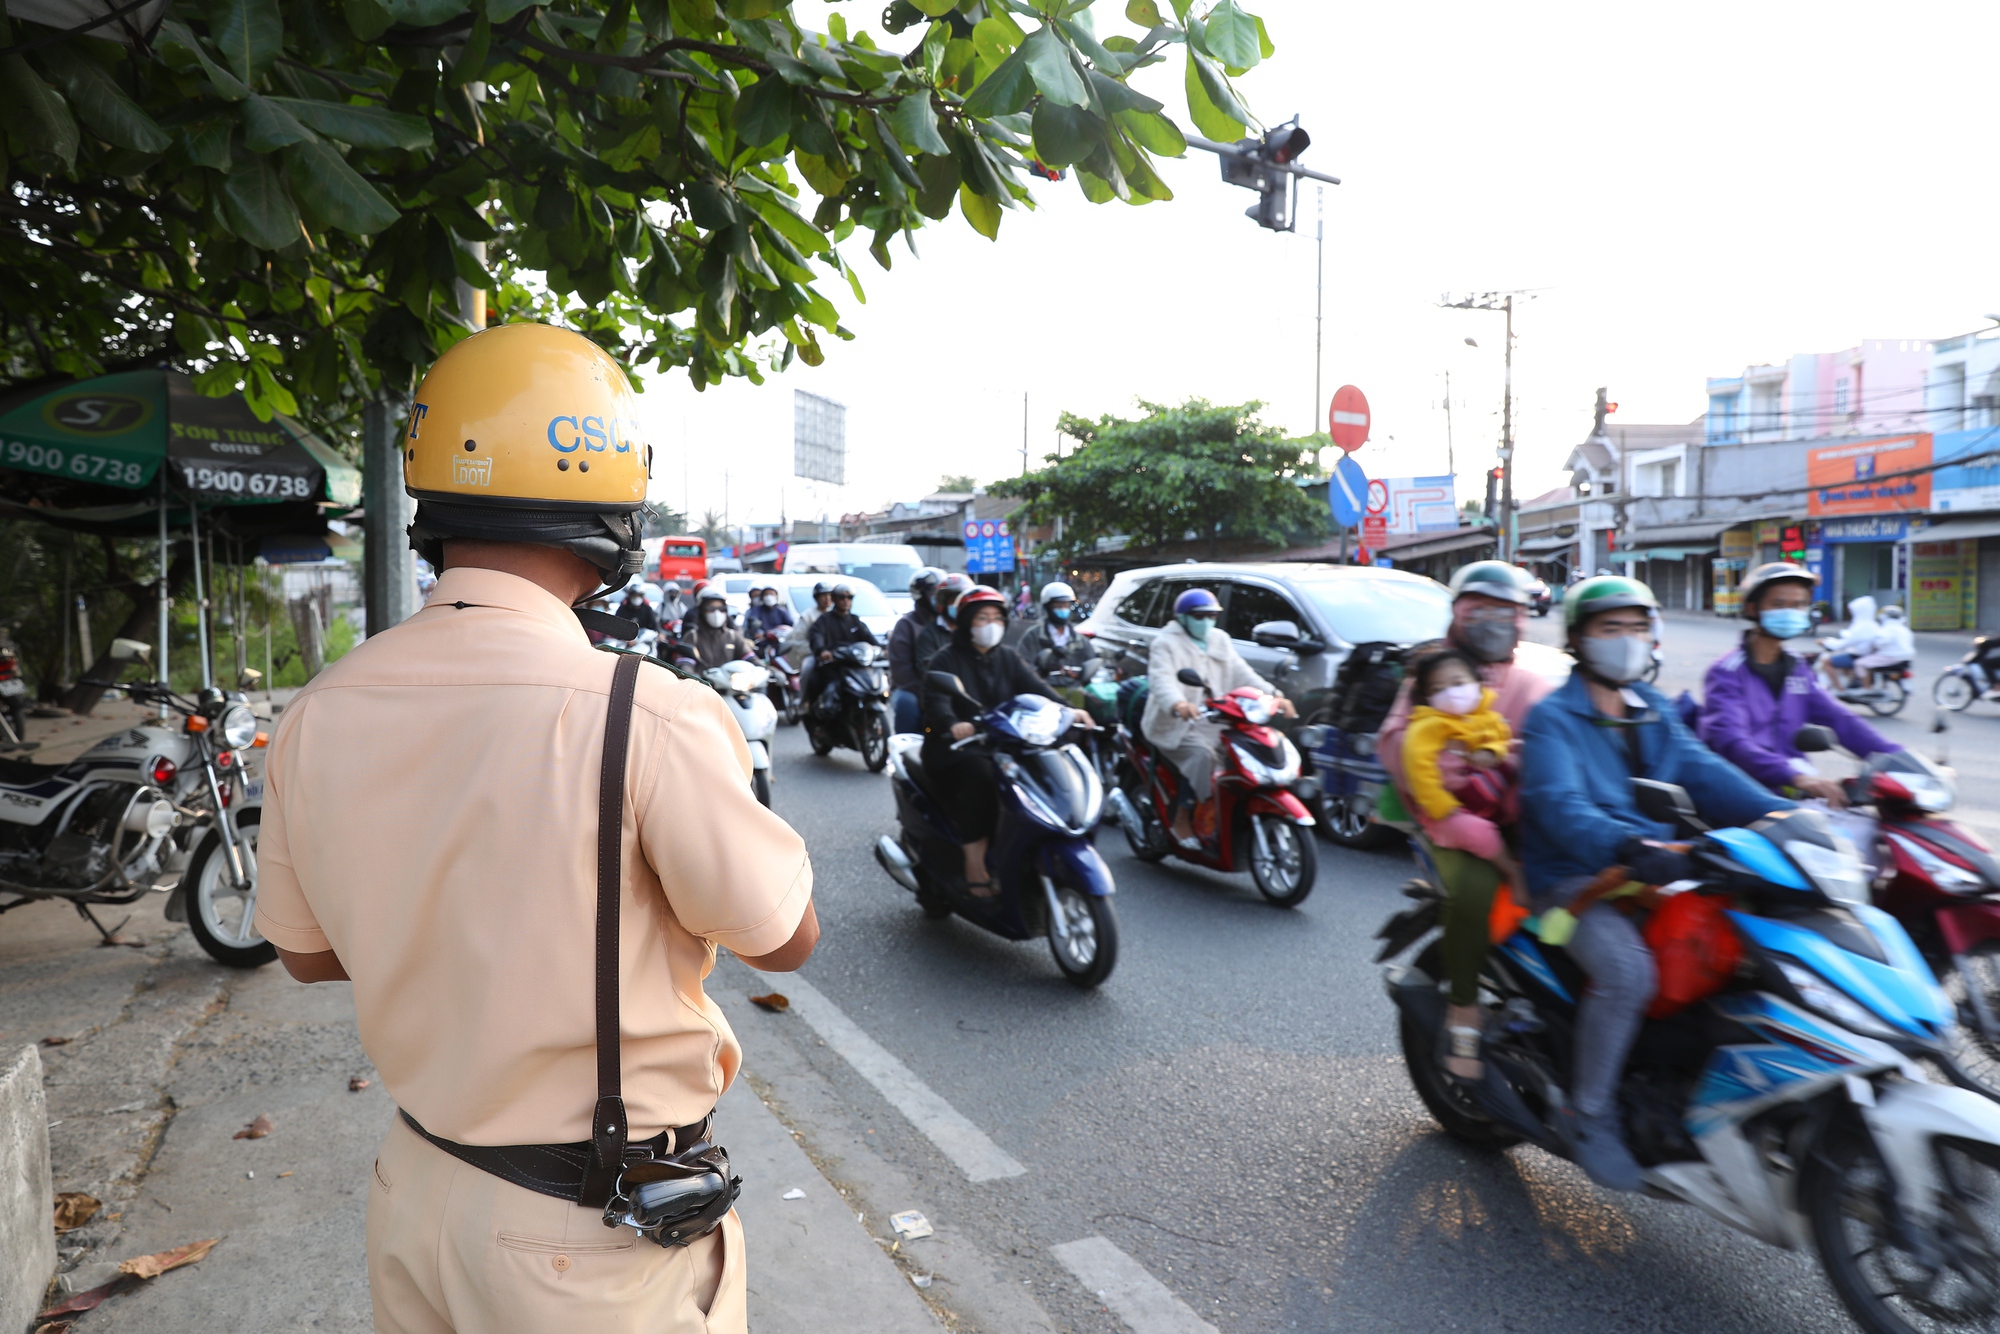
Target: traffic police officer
(430, 831)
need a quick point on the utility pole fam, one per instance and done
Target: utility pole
(1024, 433)
(1450, 451)
(1319, 299)
(1503, 302)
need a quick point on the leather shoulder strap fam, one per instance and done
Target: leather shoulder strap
(608, 1125)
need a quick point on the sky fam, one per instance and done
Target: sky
(1682, 190)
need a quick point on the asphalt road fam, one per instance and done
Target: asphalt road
(1231, 1108)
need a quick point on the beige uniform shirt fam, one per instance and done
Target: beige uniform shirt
(431, 815)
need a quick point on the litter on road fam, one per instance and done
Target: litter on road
(256, 1129)
(775, 1002)
(74, 1209)
(793, 1194)
(911, 1225)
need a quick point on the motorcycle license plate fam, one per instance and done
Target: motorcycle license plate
(253, 791)
(13, 685)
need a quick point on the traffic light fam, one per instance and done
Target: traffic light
(1250, 163)
(1492, 495)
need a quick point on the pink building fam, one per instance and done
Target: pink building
(1874, 388)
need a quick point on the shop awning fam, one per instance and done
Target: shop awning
(1957, 530)
(1533, 546)
(1416, 548)
(1693, 535)
(1662, 553)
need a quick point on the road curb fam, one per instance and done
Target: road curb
(27, 1194)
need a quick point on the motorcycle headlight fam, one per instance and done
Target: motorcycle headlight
(239, 726)
(1260, 710)
(1271, 775)
(1830, 1002)
(1836, 870)
(1947, 877)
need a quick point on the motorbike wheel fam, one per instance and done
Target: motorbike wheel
(1863, 1242)
(1953, 692)
(1286, 875)
(1448, 1102)
(875, 741)
(760, 783)
(1089, 953)
(1348, 825)
(1152, 841)
(1888, 699)
(822, 742)
(1976, 1055)
(220, 919)
(17, 718)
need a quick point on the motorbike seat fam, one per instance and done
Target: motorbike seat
(26, 773)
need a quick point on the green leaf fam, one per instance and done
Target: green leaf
(423, 13)
(36, 113)
(940, 178)
(268, 126)
(1153, 132)
(1231, 36)
(227, 86)
(256, 206)
(1093, 50)
(1145, 183)
(358, 126)
(981, 212)
(786, 223)
(471, 62)
(102, 104)
(1005, 91)
(250, 35)
(1212, 107)
(826, 175)
(916, 125)
(1055, 74)
(934, 8)
(1143, 12)
(1116, 96)
(334, 191)
(753, 9)
(1064, 135)
(499, 11)
(764, 114)
(996, 38)
(1264, 47)
(208, 143)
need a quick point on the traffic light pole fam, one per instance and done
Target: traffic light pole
(1231, 150)
(1504, 519)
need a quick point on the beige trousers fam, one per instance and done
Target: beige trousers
(454, 1249)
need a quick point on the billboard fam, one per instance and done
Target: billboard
(1860, 477)
(819, 438)
(1414, 505)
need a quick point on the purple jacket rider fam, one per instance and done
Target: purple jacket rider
(1742, 721)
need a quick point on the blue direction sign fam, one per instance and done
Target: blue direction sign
(989, 548)
(1347, 491)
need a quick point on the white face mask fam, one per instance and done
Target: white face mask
(770, 599)
(715, 618)
(1618, 658)
(1459, 699)
(989, 634)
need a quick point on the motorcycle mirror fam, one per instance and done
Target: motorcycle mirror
(1815, 737)
(127, 650)
(1668, 803)
(1188, 676)
(249, 679)
(947, 682)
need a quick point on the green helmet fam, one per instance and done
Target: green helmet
(1604, 592)
(1493, 579)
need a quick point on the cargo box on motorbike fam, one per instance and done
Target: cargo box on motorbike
(1365, 688)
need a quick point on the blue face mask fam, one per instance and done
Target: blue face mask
(1059, 613)
(1197, 627)
(1785, 622)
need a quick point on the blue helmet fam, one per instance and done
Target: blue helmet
(1196, 601)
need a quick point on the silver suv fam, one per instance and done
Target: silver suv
(1330, 609)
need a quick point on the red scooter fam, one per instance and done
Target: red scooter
(1259, 814)
(1942, 883)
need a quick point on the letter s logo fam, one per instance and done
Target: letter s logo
(569, 448)
(593, 428)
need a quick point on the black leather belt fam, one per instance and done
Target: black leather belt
(557, 1169)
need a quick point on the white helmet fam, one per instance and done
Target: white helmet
(1056, 590)
(1893, 612)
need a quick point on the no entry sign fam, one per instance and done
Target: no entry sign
(1347, 420)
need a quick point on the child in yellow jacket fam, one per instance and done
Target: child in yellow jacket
(1461, 801)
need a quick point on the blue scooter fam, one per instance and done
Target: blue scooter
(1049, 879)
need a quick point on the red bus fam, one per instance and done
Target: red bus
(681, 559)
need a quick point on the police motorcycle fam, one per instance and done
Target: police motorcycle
(118, 822)
(1800, 1102)
(742, 686)
(1050, 879)
(1975, 676)
(850, 708)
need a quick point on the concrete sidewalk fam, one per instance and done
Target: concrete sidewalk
(170, 1056)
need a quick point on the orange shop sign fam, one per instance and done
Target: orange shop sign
(1861, 477)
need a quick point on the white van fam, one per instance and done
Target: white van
(887, 566)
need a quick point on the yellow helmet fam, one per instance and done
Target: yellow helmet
(528, 433)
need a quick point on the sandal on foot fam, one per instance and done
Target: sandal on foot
(973, 888)
(1458, 1052)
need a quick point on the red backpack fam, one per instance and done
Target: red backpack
(1695, 948)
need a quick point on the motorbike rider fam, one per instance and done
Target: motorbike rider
(465, 919)
(768, 614)
(934, 637)
(1489, 611)
(905, 689)
(833, 629)
(640, 612)
(1755, 698)
(991, 673)
(1584, 744)
(1858, 640)
(1172, 722)
(797, 651)
(1894, 645)
(673, 607)
(1055, 642)
(713, 639)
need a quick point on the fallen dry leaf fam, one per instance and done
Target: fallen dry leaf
(57, 1042)
(90, 1299)
(775, 1003)
(356, 1084)
(256, 1129)
(159, 1262)
(55, 1327)
(74, 1209)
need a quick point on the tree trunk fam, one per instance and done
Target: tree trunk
(143, 625)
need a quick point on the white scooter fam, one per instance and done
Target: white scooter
(741, 685)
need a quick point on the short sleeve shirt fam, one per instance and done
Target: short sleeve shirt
(431, 816)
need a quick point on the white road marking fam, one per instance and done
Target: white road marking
(1146, 1305)
(941, 1123)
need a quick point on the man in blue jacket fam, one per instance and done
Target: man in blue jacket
(1758, 696)
(1582, 748)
